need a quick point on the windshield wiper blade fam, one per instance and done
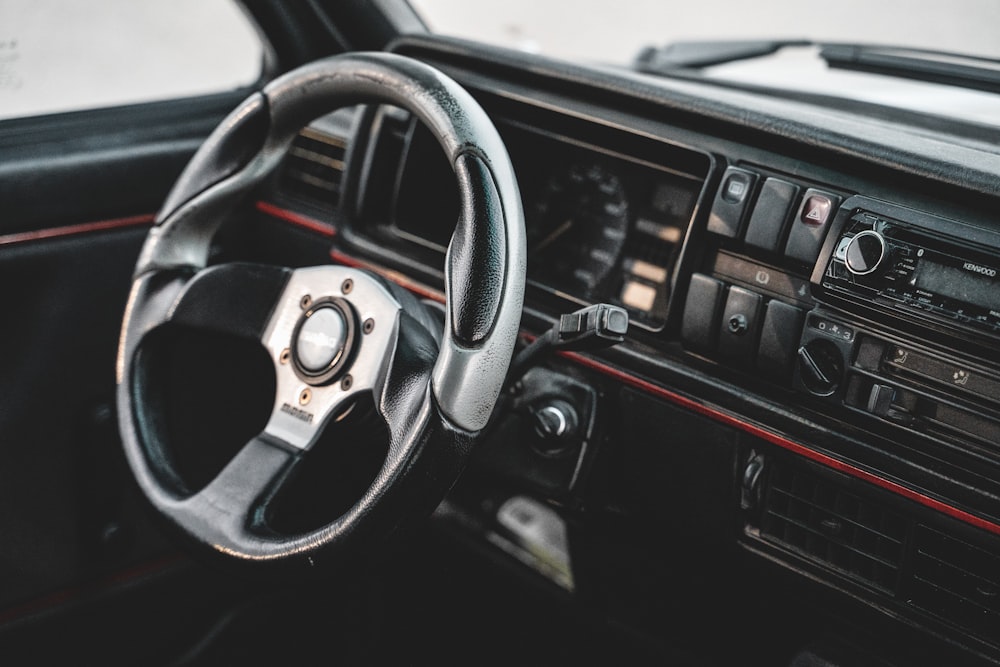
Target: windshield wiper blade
(698, 54)
(973, 72)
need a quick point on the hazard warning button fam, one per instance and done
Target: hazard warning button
(816, 210)
(809, 229)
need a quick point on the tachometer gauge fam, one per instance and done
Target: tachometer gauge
(577, 227)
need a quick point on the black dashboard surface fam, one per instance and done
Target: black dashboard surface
(834, 434)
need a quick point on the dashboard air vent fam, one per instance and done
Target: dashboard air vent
(956, 581)
(314, 167)
(826, 523)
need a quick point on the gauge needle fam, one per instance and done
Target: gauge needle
(554, 234)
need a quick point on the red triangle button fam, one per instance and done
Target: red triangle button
(816, 210)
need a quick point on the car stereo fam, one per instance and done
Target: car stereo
(917, 265)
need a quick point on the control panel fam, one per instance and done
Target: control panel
(748, 299)
(868, 306)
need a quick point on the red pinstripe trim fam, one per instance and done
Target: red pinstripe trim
(714, 413)
(74, 230)
(313, 225)
(64, 596)
(784, 443)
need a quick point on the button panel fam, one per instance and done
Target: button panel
(753, 273)
(747, 328)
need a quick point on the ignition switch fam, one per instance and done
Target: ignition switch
(557, 424)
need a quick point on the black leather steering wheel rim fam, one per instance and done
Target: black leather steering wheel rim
(434, 400)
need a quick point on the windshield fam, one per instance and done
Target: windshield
(616, 32)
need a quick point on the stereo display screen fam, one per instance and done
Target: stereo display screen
(975, 285)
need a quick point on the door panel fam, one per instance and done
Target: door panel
(83, 167)
(77, 195)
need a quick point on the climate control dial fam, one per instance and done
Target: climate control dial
(821, 366)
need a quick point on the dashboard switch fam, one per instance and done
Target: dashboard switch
(810, 225)
(882, 402)
(701, 313)
(738, 324)
(731, 202)
(880, 399)
(779, 340)
(737, 342)
(770, 213)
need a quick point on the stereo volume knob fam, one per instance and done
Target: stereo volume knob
(865, 253)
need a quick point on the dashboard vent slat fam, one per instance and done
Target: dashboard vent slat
(956, 580)
(826, 523)
(313, 169)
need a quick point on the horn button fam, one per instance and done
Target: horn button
(323, 340)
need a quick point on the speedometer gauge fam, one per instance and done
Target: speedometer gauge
(577, 228)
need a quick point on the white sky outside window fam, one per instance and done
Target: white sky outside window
(65, 55)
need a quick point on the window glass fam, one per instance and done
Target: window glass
(617, 32)
(66, 55)
(599, 30)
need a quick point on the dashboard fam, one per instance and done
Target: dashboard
(812, 368)
(604, 223)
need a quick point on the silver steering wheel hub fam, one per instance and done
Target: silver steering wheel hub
(305, 402)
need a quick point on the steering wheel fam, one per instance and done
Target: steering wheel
(333, 333)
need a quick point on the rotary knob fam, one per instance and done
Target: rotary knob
(865, 253)
(821, 366)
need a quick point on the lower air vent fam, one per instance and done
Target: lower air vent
(817, 519)
(956, 581)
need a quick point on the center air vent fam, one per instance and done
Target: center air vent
(956, 581)
(314, 167)
(826, 523)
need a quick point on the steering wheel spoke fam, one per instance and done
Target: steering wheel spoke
(235, 298)
(231, 509)
(232, 299)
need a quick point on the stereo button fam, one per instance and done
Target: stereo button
(841, 252)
